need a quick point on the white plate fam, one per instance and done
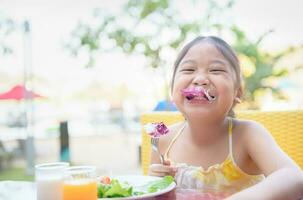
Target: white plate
(136, 181)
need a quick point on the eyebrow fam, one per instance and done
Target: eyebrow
(216, 61)
(188, 61)
(219, 61)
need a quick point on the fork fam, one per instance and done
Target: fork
(155, 144)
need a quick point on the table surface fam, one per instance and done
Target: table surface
(17, 190)
(21, 190)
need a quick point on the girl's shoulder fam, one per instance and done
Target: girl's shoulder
(247, 125)
(249, 129)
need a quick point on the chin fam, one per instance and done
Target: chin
(197, 112)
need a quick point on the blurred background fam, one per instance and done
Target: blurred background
(76, 75)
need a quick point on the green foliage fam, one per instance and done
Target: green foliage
(159, 17)
(264, 65)
(157, 26)
(14, 173)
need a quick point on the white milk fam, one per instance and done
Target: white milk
(49, 180)
(49, 189)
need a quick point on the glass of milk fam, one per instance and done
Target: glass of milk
(49, 180)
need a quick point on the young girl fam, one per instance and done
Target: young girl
(211, 150)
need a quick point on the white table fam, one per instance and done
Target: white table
(17, 190)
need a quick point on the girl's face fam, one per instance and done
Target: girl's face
(205, 67)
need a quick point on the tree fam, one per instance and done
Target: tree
(155, 28)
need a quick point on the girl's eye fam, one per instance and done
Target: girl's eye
(217, 70)
(187, 70)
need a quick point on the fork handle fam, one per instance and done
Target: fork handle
(161, 159)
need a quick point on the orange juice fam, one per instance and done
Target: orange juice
(80, 190)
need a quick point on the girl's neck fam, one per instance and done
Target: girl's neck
(206, 131)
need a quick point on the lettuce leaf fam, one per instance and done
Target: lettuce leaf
(114, 189)
(161, 184)
(117, 189)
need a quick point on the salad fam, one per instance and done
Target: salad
(111, 188)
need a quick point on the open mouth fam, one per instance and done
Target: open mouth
(197, 93)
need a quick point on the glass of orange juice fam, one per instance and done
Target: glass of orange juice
(80, 183)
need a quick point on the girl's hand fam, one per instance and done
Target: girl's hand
(164, 169)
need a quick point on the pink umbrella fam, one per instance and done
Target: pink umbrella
(18, 92)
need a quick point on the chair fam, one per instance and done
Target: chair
(285, 126)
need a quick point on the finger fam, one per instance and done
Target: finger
(159, 168)
(173, 173)
(160, 174)
(166, 162)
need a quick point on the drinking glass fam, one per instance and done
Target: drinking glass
(80, 183)
(49, 180)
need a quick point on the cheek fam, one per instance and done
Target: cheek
(176, 94)
(179, 83)
(226, 81)
(227, 92)
(177, 98)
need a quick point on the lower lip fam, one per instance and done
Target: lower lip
(198, 101)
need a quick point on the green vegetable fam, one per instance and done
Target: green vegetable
(117, 189)
(102, 189)
(114, 189)
(157, 185)
(138, 193)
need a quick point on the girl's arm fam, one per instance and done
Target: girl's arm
(284, 179)
(158, 169)
(283, 184)
(164, 169)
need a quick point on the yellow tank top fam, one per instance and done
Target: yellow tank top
(223, 179)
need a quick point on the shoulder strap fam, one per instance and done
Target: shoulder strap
(230, 131)
(174, 139)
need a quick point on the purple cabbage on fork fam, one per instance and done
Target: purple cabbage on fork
(156, 129)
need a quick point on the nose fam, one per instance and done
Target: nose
(201, 79)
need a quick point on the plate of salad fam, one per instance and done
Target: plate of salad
(129, 187)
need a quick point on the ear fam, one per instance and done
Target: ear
(238, 96)
(237, 100)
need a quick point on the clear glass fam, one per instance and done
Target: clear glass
(80, 183)
(49, 180)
